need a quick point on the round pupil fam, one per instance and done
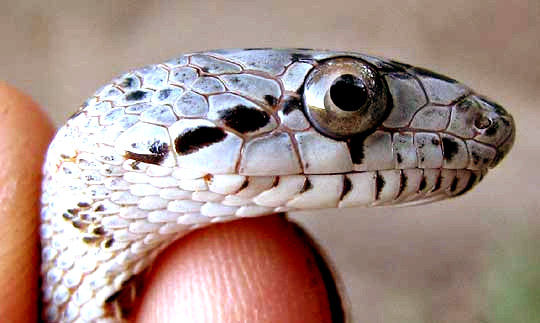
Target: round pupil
(348, 93)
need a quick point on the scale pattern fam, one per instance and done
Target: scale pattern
(216, 136)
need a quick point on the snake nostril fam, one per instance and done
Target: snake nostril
(483, 122)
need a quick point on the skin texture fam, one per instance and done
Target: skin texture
(254, 270)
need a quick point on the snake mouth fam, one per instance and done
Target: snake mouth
(364, 188)
(415, 185)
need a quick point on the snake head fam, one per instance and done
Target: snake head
(215, 136)
(382, 132)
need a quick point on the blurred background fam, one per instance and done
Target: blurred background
(472, 259)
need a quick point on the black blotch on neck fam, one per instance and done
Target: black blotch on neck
(307, 186)
(195, 139)
(290, 104)
(136, 95)
(450, 148)
(159, 151)
(244, 119)
(379, 185)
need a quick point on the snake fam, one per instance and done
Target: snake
(215, 136)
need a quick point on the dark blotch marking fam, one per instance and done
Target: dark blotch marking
(79, 224)
(453, 186)
(108, 243)
(470, 184)
(379, 185)
(163, 94)
(348, 93)
(425, 72)
(195, 139)
(205, 69)
(296, 57)
(68, 216)
(307, 186)
(159, 151)
(450, 148)
(347, 186)
(402, 183)
(435, 141)
(127, 82)
(234, 80)
(100, 208)
(356, 147)
(423, 184)
(244, 119)
(73, 211)
(83, 204)
(136, 95)
(291, 104)
(275, 182)
(244, 185)
(90, 240)
(270, 99)
(399, 158)
(99, 231)
(135, 165)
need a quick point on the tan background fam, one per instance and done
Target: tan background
(423, 264)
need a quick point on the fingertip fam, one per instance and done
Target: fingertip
(25, 132)
(252, 270)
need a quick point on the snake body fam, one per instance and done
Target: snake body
(216, 136)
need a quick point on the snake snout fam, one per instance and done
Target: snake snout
(497, 127)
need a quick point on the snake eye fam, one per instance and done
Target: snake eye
(345, 97)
